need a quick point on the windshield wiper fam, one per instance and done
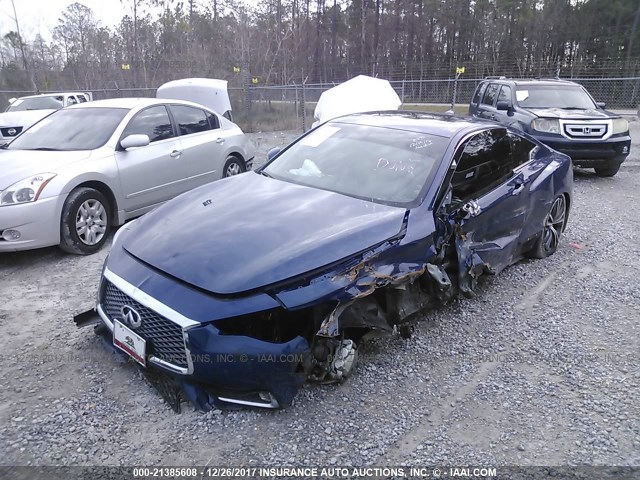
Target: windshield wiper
(262, 172)
(44, 149)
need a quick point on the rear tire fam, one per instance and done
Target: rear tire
(554, 223)
(85, 221)
(233, 166)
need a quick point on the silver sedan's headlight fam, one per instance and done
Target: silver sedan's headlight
(546, 125)
(620, 125)
(25, 191)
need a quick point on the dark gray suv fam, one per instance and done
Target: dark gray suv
(559, 113)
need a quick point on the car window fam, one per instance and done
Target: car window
(189, 119)
(71, 129)
(153, 122)
(71, 100)
(479, 92)
(505, 94)
(521, 149)
(213, 120)
(485, 161)
(490, 95)
(35, 103)
(378, 164)
(82, 98)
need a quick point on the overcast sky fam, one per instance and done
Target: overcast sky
(41, 16)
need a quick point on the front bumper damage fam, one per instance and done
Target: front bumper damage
(259, 350)
(222, 369)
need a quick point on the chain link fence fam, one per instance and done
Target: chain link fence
(259, 108)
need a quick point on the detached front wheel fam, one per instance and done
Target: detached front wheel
(554, 223)
(85, 222)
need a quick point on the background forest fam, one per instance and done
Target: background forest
(287, 41)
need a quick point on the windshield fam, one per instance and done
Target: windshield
(71, 129)
(554, 96)
(36, 103)
(380, 164)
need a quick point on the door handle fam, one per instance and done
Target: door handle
(176, 153)
(219, 140)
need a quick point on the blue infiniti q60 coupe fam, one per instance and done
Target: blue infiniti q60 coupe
(241, 290)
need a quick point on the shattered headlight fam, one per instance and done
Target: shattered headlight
(25, 191)
(546, 125)
(620, 125)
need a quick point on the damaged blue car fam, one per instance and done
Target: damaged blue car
(239, 291)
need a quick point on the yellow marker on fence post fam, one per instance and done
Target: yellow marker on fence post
(254, 80)
(236, 69)
(125, 66)
(459, 71)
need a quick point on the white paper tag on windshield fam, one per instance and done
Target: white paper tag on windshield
(316, 138)
(522, 95)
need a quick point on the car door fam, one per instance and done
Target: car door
(474, 106)
(203, 143)
(154, 173)
(491, 198)
(486, 109)
(502, 116)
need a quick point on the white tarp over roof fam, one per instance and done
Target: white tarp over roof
(360, 94)
(210, 92)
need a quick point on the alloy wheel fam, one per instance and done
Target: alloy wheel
(554, 224)
(91, 222)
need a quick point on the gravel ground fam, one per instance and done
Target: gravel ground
(541, 368)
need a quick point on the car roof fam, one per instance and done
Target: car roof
(51, 94)
(131, 103)
(531, 81)
(438, 124)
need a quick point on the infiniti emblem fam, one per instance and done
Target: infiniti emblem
(130, 316)
(586, 130)
(11, 132)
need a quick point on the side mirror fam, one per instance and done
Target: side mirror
(601, 105)
(272, 153)
(506, 106)
(133, 141)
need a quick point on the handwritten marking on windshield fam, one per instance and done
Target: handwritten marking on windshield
(395, 165)
(420, 142)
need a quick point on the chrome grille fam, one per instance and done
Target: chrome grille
(10, 131)
(585, 130)
(164, 337)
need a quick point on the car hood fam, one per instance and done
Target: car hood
(588, 114)
(22, 119)
(249, 231)
(16, 165)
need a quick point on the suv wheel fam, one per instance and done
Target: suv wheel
(607, 172)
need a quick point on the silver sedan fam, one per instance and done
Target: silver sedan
(83, 169)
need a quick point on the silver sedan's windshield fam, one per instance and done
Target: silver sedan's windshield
(36, 103)
(71, 129)
(554, 96)
(380, 164)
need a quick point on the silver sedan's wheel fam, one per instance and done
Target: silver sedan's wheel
(85, 221)
(233, 166)
(91, 222)
(552, 229)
